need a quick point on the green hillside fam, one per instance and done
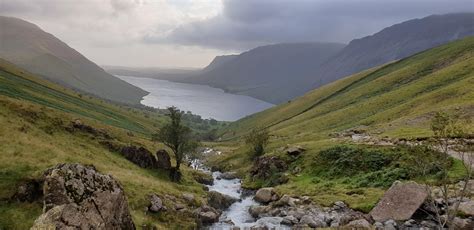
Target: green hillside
(35, 134)
(396, 100)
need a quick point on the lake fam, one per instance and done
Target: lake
(206, 101)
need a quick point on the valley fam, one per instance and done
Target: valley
(374, 134)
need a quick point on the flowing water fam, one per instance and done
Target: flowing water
(237, 213)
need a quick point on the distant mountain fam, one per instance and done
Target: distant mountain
(396, 42)
(271, 73)
(29, 47)
(281, 72)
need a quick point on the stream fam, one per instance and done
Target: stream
(237, 213)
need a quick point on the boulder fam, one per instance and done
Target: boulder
(189, 197)
(295, 151)
(163, 158)
(228, 176)
(467, 208)
(257, 211)
(79, 197)
(203, 178)
(399, 202)
(156, 204)
(313, 221)
(359, 224)
(264, 195)
(207, 214)
(286, 200)
(220, 201)
(269, 168)
(139, 156)
(463, 224)
(79, 125)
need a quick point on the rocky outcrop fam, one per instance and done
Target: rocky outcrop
(139, 156)
(164, 160)
(78, 125)
(220, 201)
(203, 178)
(400, 202)
(269, 168)
(79, 197)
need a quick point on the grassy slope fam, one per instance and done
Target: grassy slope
(33, 117)
(395, 100)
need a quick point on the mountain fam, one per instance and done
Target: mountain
(281, 72)
(270, 73)
(29, 47)
(385, 104)
(396, 42)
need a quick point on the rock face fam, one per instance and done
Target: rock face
(139, 156)
(220, 201)
(79, 197)
(164, 160)
(399, 202)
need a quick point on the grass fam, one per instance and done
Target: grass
(34, 115)
(395, 100)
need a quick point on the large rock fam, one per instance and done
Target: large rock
(399, 202)
(313, 222)
(79, 197)
(139, 156)
(264, 195)
(295, 151)
(220, 201)
(207, 214)
(265, 166)
(467, 208)
(164, 160)
(359, 224)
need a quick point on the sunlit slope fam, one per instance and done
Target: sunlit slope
(396, 99)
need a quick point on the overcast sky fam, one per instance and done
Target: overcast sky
(189, 33)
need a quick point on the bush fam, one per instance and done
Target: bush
(258, 139)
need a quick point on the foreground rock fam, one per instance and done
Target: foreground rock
(79, 197)
(399, 202)
(139, 156)
(220, 201)
(265, 195)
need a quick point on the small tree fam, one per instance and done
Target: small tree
(258, 139)
(178, 138)
(446, 129)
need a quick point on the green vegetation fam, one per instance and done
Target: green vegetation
(35, 134)
(393, 101)
(257, 139)
(178, 138)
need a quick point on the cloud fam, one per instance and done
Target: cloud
(244, 24)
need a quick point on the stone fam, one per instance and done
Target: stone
(257, 211)
(29, 191)
(289, 220)
(264, 195)
(79, 125)
(463, 224)
(295, 151)
(189, 197)
(139, 156)
(399, 202)
(467, 208)
(207, 214)
(156, 204)
(228, 176)
(266, 167)
(359, 224)
(179, 206)
(390, 225)
(163, 159)
(312, 222)
(286, 200)
(79, 197)
(220, 201)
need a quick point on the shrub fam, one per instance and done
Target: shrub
(258, 139)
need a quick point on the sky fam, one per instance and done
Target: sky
(190, 33)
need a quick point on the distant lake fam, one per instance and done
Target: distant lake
(202, 100)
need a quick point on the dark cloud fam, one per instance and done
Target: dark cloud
(245, 24)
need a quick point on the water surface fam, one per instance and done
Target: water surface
(206, 101)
